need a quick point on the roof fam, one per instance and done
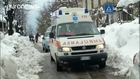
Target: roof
(68, 15)
(125, 3)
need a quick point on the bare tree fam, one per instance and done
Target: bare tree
(43, 21)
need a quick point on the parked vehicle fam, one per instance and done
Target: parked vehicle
(45, 42)
(135, 70)
(74, 39)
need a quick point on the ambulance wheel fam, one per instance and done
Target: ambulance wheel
(58, 67)
(43, 49)
(102, 65)
(52, 58)
(46, 50)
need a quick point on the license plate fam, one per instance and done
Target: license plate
(85, 58)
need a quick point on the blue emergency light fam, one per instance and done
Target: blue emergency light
(86, 10)
(60, 12)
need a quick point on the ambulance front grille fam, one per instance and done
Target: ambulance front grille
(80, 53)
(77, 48)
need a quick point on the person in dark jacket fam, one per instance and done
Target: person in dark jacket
(30, 37)
(36, 37)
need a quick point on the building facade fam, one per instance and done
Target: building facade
(92, 4)
(111, 18)
(117, 16)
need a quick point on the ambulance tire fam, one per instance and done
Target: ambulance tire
(102, 65)
(52, 58)
(43, 48)
(46, 50)
(58, 67)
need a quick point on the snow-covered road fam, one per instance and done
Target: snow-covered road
(84, 72)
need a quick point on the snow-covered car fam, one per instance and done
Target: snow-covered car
(135, 71)
(45, 42)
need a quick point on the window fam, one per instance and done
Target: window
(49, 28)
(92, 4)
(76, 29)
(86, 3)
(53, 30)
(47, 34)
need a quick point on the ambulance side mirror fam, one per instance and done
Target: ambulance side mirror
(51, 35)
(102, 31)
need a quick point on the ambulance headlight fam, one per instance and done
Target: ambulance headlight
(64, 49)
(60, 12)
(101, 46)
(86, 10)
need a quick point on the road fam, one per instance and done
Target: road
(83, 72)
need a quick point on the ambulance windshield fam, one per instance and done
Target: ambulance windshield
(77, 29)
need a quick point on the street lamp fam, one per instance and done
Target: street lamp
(2, 24)
(139, 14)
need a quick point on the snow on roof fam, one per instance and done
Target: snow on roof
(2, 19)
(122, 3)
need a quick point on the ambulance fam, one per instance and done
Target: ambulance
(75, 39)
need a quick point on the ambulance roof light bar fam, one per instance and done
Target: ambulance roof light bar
(86, 10)
(60, 12)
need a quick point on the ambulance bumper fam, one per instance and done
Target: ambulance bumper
(88, 59)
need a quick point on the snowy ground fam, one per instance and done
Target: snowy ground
(40, 40)
(20, 60)
(122, 42)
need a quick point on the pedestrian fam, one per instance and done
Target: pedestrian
(36, 37)
(30, 37)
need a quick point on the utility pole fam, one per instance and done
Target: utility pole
(2, 23)
(10, 19)
(139, 13)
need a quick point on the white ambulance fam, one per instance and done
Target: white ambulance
(74, 39)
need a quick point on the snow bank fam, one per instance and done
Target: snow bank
(20, 60)
(122, 42)
(126, 2)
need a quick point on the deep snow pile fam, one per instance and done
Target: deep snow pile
(122, 42)
(19, 50)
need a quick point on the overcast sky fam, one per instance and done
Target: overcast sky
(34, 12)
